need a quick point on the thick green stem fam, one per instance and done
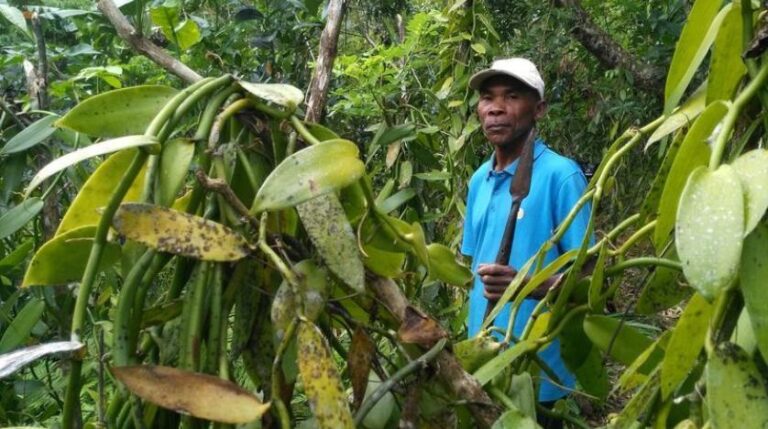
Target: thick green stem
(729, 122)
(303, 131)
(192, 319)
(122, 349)
(643, 262)
(277, 371)
(639, 234)
(213, 341)
(89, 278)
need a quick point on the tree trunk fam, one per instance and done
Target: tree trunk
(321, 80)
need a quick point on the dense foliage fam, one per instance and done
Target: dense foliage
(173, 253)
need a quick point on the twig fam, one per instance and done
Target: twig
(386, 386)
(222, 188)
(143, 46)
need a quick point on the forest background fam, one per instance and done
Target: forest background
(398, 90)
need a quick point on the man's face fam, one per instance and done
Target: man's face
(508, 109)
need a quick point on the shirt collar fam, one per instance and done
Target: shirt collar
(538, 149)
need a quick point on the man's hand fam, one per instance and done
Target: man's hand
(496, 278)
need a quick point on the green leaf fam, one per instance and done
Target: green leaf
(443, 266)
(21, 327)
(637, 373)
(693, 152)
(736, 391)
(710, 229)
(479, 48)
(308, 173)
(97, 190)
(496, 365)
(625, 346)
(62, 259)
(97, 149)
(167, 18)
(727, 68)
(641, 400)
(179, 233)
(514, 419)
(663, 289)
(17, 256)
(199, 395)
(686, 343)
(433, 176)
(279, 93)
(118, 113)
(175, 160)
(754, 283)
(398, 199)
(15, 218)
(682, 116)
(383, 262)
(187, 34)
(752, 169)
(34, 134)
(387, 135)
(15, 17)
(691, 49)
(14, 361)
(595, 297)
(583, 359)
(328, 228)
(322, 383)
(474, 352)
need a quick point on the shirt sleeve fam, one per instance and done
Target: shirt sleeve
(468, 239)
(571, 189)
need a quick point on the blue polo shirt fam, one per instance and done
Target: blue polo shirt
(556, 184)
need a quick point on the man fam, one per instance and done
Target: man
(511, 102)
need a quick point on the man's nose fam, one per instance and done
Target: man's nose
(495, 108)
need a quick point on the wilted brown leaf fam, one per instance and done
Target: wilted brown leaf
(419, 328)
(361, 353)
(200, 395)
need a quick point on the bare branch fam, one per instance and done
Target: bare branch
(143, 46)
(610, 54)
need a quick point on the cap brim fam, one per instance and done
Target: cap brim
(477, 79)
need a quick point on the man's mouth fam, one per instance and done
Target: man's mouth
(496, 128)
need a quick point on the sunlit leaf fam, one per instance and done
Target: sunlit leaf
(619, 340)
(637, 373)
(200, 395)
(15, 218)
(332, 235)
(685, 115)
(496, 365)
(79, 155)
(18, 331)
(754, 283)
(97, 190)
(736, 391)
(693, 152)
(118, 113)
(187, 34)
(710, 229)
(179, 233)
(321, 380)
(14, 361)
(15, 17)
(752, 169)
(308, 173)
(692, 48)
(727, 68)
(34, 134)
(444, 267)
(175, 160)
(62, 259)
(279, 93)
(686, 343)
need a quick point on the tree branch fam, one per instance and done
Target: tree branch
(460, 383)
(607, 51)
(143, 46)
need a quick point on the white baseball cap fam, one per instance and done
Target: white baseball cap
(519, 68)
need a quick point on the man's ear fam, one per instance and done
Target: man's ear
(541, 109)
